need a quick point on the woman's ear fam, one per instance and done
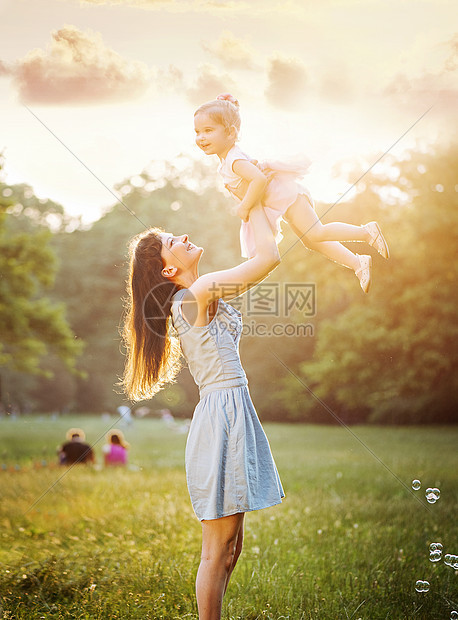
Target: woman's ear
(169, 272)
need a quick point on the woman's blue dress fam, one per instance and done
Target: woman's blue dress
(229, 465)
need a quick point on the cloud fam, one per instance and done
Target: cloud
(210, 83)
(438, 87)
(451, 63)
(145, 4)
(418, 93)
(287, 85)
(218, 7)
(231, 52)
(170, 79)
(336, 85)
(4, 70)
(78, 68)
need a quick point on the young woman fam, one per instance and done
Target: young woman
(229, 466)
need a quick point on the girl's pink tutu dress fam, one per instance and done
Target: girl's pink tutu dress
(281, 192)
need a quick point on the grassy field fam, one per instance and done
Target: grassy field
(348, 542)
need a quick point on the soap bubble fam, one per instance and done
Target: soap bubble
(454, 615)
(435, 556)
(416, 484)
(432, 495)
(451, 560)
(435, 551)
(422, 586)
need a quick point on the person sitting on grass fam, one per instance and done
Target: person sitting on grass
(75, 449)
(115, 450)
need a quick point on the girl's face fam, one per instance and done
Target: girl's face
(211, 137)
(179, 252)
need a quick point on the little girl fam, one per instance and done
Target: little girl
(115, 450)
(217, 125)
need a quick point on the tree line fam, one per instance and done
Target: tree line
(315, 348)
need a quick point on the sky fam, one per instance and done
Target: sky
(117, 82)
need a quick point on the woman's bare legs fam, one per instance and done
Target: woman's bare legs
(221, 547)
(324, 238)
(238, 551)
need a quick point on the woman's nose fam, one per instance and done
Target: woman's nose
(184, 238)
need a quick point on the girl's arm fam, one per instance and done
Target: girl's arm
(230, 283)
(256, 184)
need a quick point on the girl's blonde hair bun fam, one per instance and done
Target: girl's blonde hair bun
(229, 97)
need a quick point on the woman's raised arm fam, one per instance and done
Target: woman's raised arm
(230, 283)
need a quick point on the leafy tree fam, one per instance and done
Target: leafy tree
(31, 325)
(388, 357)
(393, 356)
(93, 271)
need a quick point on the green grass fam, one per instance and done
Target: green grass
(348, 542)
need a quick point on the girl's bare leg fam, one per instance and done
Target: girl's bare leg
(220, 550)
(333, 250)
(302, 215)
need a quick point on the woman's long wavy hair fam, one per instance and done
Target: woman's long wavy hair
(153, 354)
